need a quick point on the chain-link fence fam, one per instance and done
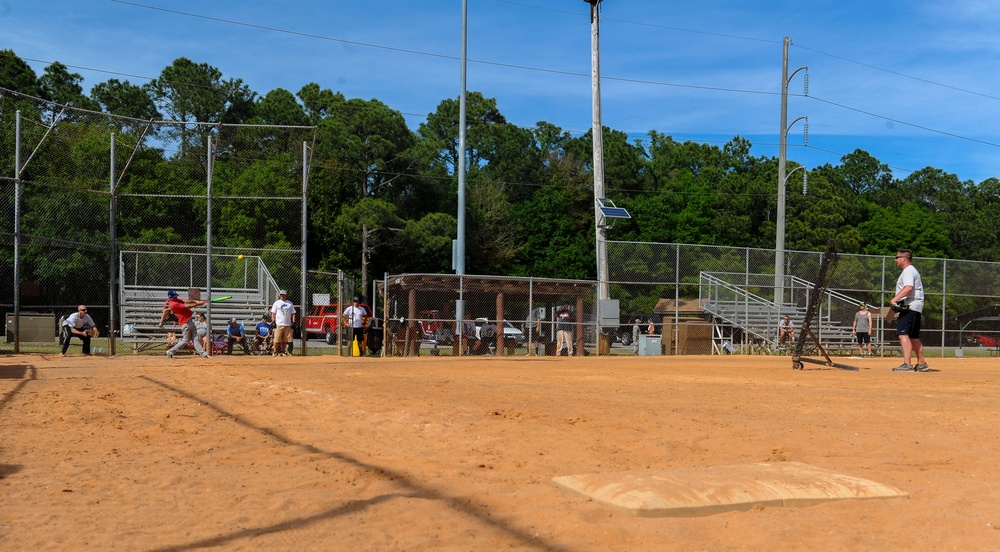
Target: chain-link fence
(329, 293)
(112, 212)
(684, 285)
(440, 314)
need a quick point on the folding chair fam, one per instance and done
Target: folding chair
(219, 342)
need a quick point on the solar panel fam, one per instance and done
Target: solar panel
(614, 212)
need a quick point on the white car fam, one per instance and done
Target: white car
(487, 330)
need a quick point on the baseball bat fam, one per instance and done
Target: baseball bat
(223, 298)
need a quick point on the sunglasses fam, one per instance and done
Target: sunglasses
(83, 310)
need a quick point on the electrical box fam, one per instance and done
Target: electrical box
(650, 345)
(609, 311)
(34, 327)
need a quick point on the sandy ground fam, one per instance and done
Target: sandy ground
(321, 453)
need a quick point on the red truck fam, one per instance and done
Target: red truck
(322, 321)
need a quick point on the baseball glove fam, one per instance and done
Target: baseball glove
(895, 309)
(93, 332)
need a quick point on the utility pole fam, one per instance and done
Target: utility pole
(779, 245)
(598, 135)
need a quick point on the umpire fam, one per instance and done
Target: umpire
(81, 325)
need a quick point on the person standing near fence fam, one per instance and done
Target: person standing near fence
(355, 315)
(283, 314)
(908, 304)
(181, 308)
(78, 324)
(564, 333)
(862, 329)
(538, 333)
(635, 336)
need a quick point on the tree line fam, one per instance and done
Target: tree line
(383, 197)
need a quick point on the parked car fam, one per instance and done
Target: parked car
(980, 340)
(624, 335)
(482, 330)
(487, 330)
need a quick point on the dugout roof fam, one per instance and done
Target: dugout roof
(985, 314)
(511, 287)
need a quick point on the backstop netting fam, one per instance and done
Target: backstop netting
(97, 207)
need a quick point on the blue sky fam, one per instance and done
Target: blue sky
(914, 83)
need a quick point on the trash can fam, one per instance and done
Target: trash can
(650, 345)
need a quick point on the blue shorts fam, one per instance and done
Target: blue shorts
(908, 324)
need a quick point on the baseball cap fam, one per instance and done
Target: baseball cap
(282, 292)
(232, 320)
(357, 299)
(171, 293)
(863, 304)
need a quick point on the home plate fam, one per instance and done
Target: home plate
(707, 491)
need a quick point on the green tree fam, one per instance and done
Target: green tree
(910, 227)
(492, 231)
(279, 107)
(17, 75)
(126, 99)
(427, 242)
(371, 222)
(556, 226)
(188, 91)
(61, 86)
(814, 218)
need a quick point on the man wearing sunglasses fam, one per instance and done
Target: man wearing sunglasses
(78, 324)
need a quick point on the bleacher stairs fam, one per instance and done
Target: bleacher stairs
(732, 309)
(141, 305)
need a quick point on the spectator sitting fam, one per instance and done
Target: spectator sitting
(236, 334)
(786, 330)
(201, 327)
(263, 334)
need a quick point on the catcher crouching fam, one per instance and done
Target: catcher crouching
(79, 324)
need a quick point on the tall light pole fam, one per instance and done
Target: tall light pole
(779, 245)
(458, 252)
(598, 135)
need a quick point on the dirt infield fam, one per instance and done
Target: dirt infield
(322, 453)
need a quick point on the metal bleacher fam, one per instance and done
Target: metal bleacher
(736, 305)
(147, 277)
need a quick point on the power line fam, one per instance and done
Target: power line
(645, 24)
(439, 56)
(755, 39)
(913, 125)
(553, 71)
(899, 74)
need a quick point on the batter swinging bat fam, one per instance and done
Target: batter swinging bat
(223, 298)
